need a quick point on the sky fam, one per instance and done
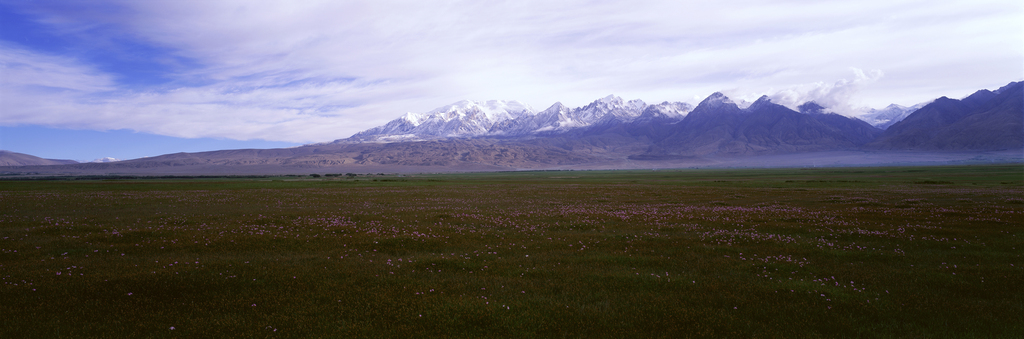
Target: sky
(84, 80)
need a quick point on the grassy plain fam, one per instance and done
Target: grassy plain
(840, 252)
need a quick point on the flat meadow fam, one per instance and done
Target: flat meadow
(816, 252)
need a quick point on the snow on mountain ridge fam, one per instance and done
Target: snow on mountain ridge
(611, 99)
(665, 111)
(883, 118)
(716, 99)
(492, 110)
(105, 159)
(607, 109)
(413, 118)
(506, 118)
(462, 118)
(880, 118)
(512, 119)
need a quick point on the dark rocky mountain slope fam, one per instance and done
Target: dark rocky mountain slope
(985, 120)
(717, 126)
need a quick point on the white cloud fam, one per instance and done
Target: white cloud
(836, 96)
(24, 69)
(314, 71)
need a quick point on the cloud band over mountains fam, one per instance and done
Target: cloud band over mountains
(320, 70)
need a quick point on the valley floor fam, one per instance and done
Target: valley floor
(800, 160)
(813, 252)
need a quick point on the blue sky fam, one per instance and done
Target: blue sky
(89, 79)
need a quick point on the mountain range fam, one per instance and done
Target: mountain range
(496, 118)
(613, 133)
(984, 120)
(8, 158)
(504, 119)
(719, 126)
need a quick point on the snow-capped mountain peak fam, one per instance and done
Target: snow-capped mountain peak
(895, 107)
(556, 107)
(611, 99)
(507, 118)
(883, 118)
(460, 119)
(673, 111)
(757, 104)
(491, 111)
(608, 108)
(636, 105)
(413, 118)
(106, 159)
(716, 99)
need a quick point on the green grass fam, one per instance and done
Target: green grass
(847, 252)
